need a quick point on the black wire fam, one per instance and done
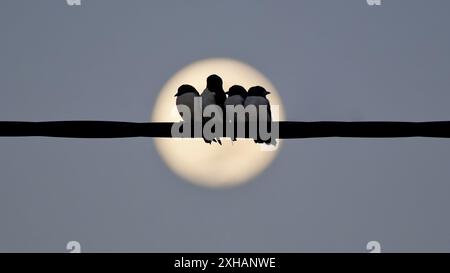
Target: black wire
(287, 129)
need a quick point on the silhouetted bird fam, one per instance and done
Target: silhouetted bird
(257, 96)
(236, 96)
(213, 95)
(185, 96)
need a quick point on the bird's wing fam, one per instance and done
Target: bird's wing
(207, 98)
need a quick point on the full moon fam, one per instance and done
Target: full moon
(219, 166)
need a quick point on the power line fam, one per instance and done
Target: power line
(287, 129)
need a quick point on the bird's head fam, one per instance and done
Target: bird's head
(214, 83)
(186, 88)
(258, 91)
(237, 90)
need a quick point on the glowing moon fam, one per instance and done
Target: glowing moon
(214, 165)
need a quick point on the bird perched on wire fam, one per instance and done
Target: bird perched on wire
(236, 97)
(257, 96)
(213, 95)
(186, 96)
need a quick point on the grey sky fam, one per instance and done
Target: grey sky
(330, 60)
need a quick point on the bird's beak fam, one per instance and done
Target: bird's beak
(267, 92)
(176, 95)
